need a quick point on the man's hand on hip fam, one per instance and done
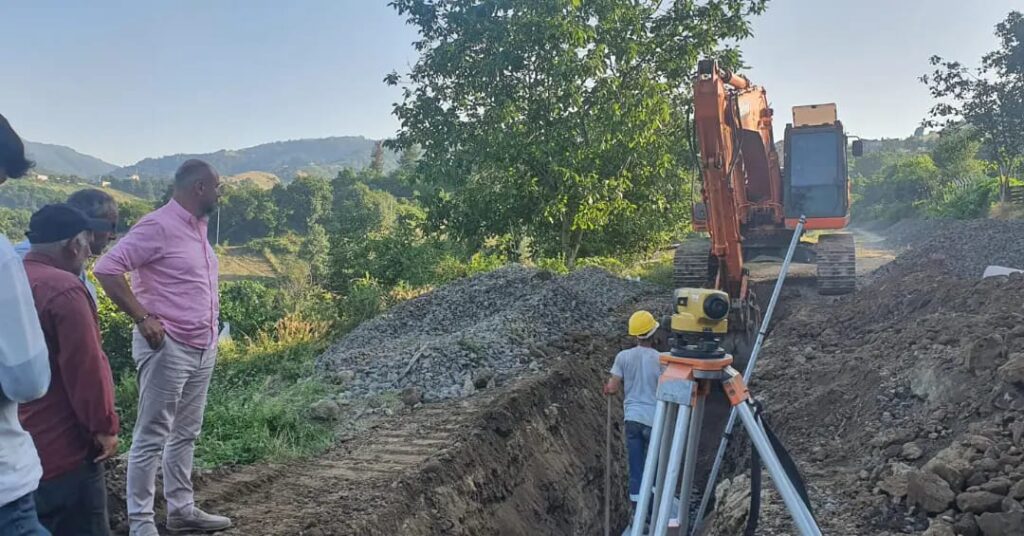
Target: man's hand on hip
(153, 331)
(108, 447)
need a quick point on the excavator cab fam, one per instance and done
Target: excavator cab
(815, 180)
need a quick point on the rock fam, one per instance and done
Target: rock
(951, 464)
(468, 387)
(939, 528)
(976, 480)
(1017, 490)
(1013, 370)
(999, 485)
(894, 479)
(977, 502)
(1011, 505)
(911, 451)
(986, 464)
(482, 377)
(734, 496)
(1017, 431)
(967, 525)
(1001, 524)
(929, 491)
(979, 443)
(325, 410)
(986, 353)
(411, 396)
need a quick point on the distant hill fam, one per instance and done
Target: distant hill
(61, 160)
(285, 159)
(260, 179)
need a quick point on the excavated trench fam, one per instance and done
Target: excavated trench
(526, 458)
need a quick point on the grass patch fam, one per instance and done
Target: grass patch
(258, 405)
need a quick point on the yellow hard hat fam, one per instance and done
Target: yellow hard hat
(642, 324)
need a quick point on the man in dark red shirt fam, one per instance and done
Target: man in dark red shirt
(75, 426)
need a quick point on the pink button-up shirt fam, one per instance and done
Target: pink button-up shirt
(174, 272)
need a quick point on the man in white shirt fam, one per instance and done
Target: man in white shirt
(638, 370)
(24, 368)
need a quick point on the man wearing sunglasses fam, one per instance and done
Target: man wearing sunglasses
(96, 204)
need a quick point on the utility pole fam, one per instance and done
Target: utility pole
(217, 239)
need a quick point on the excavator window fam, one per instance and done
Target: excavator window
(815, 172)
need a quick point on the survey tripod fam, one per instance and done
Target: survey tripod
(689, 375)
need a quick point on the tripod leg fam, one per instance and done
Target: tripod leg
(650, 466)
(709, 489)
(692, 441)
(675, 461)
(671, 417)
(802, 517)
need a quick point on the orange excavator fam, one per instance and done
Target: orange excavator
(750, 204)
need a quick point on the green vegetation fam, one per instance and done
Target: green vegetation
(562, 122)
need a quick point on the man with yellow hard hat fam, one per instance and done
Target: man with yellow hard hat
(637, 369)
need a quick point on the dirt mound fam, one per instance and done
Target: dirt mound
(869, 390)
(477, 332)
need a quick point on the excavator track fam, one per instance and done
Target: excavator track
(837, 264)
(691, 266)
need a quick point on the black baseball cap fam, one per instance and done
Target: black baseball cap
(61, 221)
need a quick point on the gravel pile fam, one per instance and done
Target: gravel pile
(967, 247)
(476, 333)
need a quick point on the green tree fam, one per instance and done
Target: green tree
(305, 202)
(14, 223)
(246, 212)
(554, 118)
(989, 98)
(956, 155)
(316, 251)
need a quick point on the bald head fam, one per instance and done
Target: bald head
(190, 172)
(197, 187)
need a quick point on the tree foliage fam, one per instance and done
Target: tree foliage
(989, 98)
(556, 119)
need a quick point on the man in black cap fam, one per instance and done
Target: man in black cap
(24, 368)
(75, 425)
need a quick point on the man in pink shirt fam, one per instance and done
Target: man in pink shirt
(174, 303)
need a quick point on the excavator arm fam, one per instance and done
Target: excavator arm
(742, 181)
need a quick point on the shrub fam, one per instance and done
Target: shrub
(250, 307)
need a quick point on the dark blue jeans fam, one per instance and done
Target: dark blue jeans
(638, 437)
(75, 503)
(18, 518)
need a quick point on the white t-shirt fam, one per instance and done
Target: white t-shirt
(24, 376)
(639, 369)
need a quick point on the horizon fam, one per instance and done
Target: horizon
(269, 74)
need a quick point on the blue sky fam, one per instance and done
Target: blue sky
(127, 80)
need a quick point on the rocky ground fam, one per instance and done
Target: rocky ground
(904, 402)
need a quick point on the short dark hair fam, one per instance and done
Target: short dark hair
(94, 203)
(12, 151)
(190, 171)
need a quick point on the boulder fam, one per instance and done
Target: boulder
(411, 396)
(1001, 524)
(1011, 505)
(482, 378)
(950, 463)
(939, 528)
(1013, 370)
(1017, 490)
(929, 491)
(325, 410)
(894, 479)
(967, 525)
(999, 485)
(911, 451)
(977, 502)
